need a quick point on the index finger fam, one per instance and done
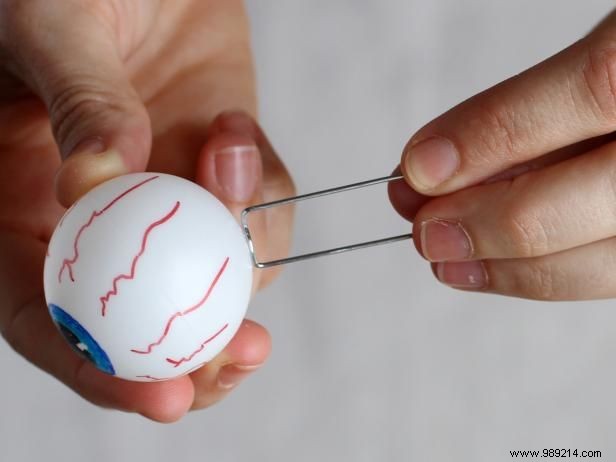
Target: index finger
(567, 98)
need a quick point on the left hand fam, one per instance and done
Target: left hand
(518, 184)
(134, 76)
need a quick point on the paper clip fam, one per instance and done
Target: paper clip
(320, 253)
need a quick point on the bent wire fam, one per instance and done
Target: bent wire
(320, 253)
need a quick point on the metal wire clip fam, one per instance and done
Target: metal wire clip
(313, 195)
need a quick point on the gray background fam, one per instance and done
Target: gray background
(373, 359)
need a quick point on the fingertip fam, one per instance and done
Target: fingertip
(81, 172)
(96, 159)
(404, 199)
(164, 401)
(250, 346)
(430, 163)
(246, 353)
(170, 400)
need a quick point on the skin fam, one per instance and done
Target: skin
(90, 90)
(532, 187)
(85, 95)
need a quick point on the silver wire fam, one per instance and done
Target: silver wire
(320, 253)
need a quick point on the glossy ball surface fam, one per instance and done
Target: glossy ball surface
(148, 276)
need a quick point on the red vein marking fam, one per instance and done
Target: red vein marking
(177, 362)
(69, 262)
(114, 287)
(160, 379)
(195, 307)
(153, 379)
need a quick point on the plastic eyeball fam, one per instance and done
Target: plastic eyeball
(148, 276)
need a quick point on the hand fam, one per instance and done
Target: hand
(114, 87)
(518, 184)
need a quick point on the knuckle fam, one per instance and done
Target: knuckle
(543, 281)
(526, 233)
(497, 131)
(77, 105)
(599, 78)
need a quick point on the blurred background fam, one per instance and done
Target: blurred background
(373, 359)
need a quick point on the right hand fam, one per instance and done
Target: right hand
(512, 191)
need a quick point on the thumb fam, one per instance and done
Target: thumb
(71, 61)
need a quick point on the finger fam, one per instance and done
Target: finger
(26, 325)
(541, 212)
(230, 167)
(584, 273)
(567, 98)
(246, 353)
(33, 335)
(275, 225)
(71, 61)
(405, 200)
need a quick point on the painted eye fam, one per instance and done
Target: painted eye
(80, 339)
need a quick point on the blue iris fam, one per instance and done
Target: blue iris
(80, 339)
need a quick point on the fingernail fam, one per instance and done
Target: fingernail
(231, 375)
(444, 240)
(462, 275)
(237, 171)
(431, 162)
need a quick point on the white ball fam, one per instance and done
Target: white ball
(148, 276)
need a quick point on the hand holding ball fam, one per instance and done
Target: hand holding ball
(148, 276)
